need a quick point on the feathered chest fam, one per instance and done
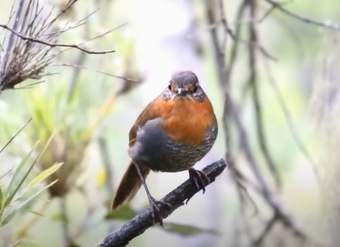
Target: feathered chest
(179, 133)
(186, 120)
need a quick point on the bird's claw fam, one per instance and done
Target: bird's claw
(199, 179)
(156, 209)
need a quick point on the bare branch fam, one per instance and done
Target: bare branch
(53, 45)
(328, 25)
(232, 115)
(76, 71)
(99, 72)
(169, 203)
(280, 215)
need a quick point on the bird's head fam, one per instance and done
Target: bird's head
(185, 84)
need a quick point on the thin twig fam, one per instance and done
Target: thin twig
(31, 85)
(328, 25)
(246, 149)
(53, 45)
(286, 113)
(98, 71)
(169, 204)
(263, 189)
(269, 225)
(76, 71)
(235, 48)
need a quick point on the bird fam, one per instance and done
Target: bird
(171, 134)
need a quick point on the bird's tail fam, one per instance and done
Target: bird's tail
(129, 185)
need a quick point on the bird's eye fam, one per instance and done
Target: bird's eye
(172, 87)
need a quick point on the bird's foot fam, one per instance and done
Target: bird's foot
(156, 209)
(199, 179)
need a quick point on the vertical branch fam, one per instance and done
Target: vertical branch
(79, 63)
(227, 114)
(288, 117)
(224, 70)
(219, 55)
(236, 36)
(246, 148)
(218, 52)
(75, 75)
(253, 82)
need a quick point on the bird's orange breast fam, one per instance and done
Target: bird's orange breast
(186, 120)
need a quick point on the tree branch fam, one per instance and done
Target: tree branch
(169, 203)
(276, 5)
(253, 83)
(53, 45)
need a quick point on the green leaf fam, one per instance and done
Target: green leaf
(28, 171)
(124, 212)
(9, 215)
(43, 175)
(17, 178)
(187, 230)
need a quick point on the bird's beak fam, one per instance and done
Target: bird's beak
(180, 91)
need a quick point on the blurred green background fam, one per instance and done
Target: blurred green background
(90, 120)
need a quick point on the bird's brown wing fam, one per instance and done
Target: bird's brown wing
(153, 110)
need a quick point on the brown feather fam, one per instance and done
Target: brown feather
(129, 185)
(147, 114)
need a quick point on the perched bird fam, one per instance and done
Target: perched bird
(170, 135)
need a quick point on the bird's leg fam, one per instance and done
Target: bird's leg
(152, 201)
(199, 179)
